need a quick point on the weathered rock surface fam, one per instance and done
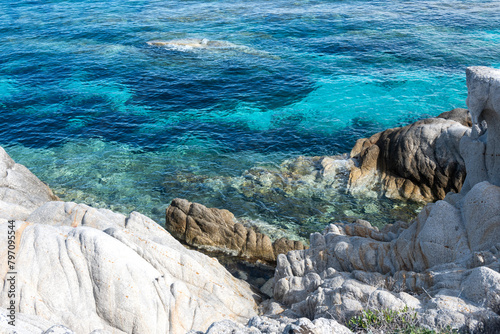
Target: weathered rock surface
(281, 325)
(481, 150)
(92, 269)
(445, 265)
(217, 230)
(19, 187)
(420, 161)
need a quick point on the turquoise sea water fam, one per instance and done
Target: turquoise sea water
(109, 120)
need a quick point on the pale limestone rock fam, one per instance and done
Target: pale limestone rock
(481, 150)
(58, 329)
(229, 327)
(282, 325)
(481, 216)
(127, 274)
(13, 211)
(482, 286)
(24, 324)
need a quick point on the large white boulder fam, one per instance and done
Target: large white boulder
(83, 269)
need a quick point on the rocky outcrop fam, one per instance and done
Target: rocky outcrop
(481, 150)
(217, 230)
(92, 269)
(419, 162)
(282, 325)
(445, 265)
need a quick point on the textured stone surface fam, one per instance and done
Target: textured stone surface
(19, 186)
(445, 264)
(128, 275)
(284, 325)
(217, 230)
(481, 150)
(24, 324)
(420, 161)
(88, 270)
(132, 278)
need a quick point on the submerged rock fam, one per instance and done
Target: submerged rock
(217, 230)
(193, 44)
(445, 265)
(419, 162)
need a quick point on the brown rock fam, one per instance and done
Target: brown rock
(216, 229)
(421, 161)
(284, 245)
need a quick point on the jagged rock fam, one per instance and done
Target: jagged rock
(20, 188)
(481, 150)
(445, 265)
(420, 161)
(217, 230)
(284, 325)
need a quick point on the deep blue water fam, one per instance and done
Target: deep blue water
(111, 121)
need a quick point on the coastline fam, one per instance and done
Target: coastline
(442, 270)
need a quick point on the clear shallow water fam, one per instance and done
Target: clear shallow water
(109, 120)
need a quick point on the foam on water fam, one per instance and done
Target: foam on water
(108, 120)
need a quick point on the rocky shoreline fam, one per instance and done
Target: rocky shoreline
(86, 270)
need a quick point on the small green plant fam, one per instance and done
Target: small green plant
(404, 321)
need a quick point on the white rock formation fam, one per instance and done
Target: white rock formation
(481, 150)
(448, 259)
(20, 191)
(283, 325)
(90, 269)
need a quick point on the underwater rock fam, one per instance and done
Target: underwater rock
(419, 162)
(193, 44)
(217, 230)
(445, 264)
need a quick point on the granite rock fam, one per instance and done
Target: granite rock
(445, 264)
(81, 269)
(217, 230)
(419, 162)
(20, 187)
(128, 277)
(284, 325)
